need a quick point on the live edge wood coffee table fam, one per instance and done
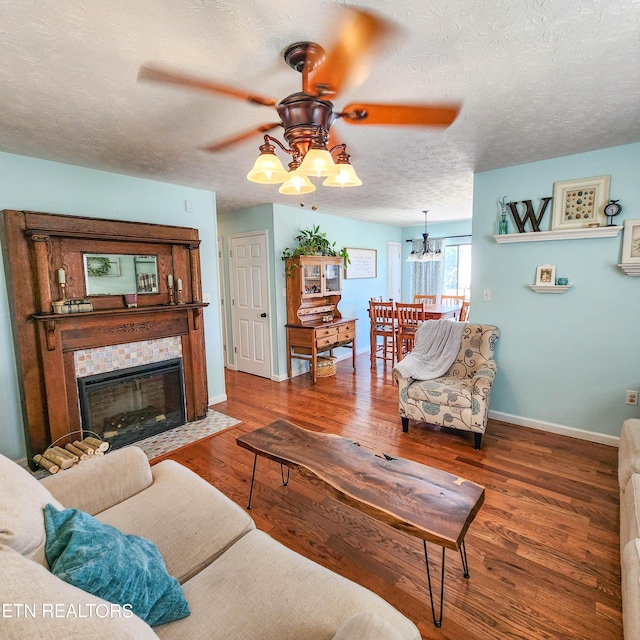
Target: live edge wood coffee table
(424, 502)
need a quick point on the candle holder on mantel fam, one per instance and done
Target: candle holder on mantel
(63, 290)
(171, 295)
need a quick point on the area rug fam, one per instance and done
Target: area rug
(168, 441)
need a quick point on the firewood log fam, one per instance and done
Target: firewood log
(76, 452)
(84, 447)
(65, 453)
(46, 464)
(98, 445)
(62, 461)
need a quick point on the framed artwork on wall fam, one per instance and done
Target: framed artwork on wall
(579, 204)
(364, 263)
(631, 242)
(545, 274)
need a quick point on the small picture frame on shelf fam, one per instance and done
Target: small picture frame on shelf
(579, 204)
(545, 275)
(631, 242)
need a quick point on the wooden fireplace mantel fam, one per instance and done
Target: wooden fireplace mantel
(35, 245)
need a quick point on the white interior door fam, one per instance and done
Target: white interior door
(394, 271)
(250, 303)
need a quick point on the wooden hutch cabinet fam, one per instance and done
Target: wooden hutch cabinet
(314, 322)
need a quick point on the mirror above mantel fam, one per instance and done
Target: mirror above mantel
(118, 274)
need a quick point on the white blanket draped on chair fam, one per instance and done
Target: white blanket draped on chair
(436, 346)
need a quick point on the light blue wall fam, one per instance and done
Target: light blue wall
(38, 185)
(284, 223)
(564, 359)
(436, 230)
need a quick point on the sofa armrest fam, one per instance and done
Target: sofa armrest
(96, 485)
(367, 626)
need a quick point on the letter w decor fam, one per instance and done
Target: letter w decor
(529, 215)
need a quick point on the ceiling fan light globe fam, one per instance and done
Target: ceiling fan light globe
(267, 169)
(297, 184)
(318, 163)
(346, 177)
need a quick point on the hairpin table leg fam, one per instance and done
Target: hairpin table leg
(465, 563)
(253, 476)
(436, 621)
(285, 482)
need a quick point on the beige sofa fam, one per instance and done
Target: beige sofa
(238, 581)
(629, 479)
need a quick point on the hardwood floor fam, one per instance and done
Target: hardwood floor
(543, 550)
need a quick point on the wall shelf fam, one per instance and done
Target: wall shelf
(550, 288)
(565, 234)
(632, 269)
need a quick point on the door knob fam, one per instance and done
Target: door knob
(263, 315)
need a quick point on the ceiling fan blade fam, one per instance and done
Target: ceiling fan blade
(155, 74)
(429, 115)
(239, 137)
(349, 57)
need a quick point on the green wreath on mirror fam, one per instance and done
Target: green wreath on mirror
(98, 267)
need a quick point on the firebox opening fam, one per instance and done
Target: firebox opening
(131, 404)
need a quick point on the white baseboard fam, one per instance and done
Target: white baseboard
(572, 432)
(215, 399)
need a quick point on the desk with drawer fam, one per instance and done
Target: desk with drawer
(305, 342)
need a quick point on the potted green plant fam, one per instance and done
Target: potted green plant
(313, 242)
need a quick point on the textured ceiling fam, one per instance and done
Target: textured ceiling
(536, 79)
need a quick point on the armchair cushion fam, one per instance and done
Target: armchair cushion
(448, 391)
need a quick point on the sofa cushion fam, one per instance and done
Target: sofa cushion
(630, 511)
(628, 451)
(100, 483)
(189, 520)
(122, 569)
(446, 391)
(38, 605)
(23, 498)
(630, 565)
(277, 594)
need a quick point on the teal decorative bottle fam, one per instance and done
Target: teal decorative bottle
(503, 228)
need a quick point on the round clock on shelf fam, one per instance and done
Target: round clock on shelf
(610, 210)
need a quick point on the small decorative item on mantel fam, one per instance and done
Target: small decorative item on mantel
(503, 226)
(81, 305)
(612, 209)
(131, 300)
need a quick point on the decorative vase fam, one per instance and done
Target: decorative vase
(503, 228)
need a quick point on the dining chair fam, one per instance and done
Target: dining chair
(409, 316)
(454, 300)
(418, 297)
(464, 314)
(382, 318)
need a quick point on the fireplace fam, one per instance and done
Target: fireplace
(127, 405)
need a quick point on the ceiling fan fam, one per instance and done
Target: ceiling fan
(307, 116)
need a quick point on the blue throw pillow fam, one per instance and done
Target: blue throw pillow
(122, 569)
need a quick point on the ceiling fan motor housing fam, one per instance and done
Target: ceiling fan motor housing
(304, 119)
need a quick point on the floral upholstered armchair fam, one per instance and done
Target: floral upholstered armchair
(460, 398)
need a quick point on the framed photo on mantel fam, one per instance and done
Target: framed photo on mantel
(579, 204)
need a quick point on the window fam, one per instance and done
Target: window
(457, 267)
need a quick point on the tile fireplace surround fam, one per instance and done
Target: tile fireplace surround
(53, 350)
(89, 362)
